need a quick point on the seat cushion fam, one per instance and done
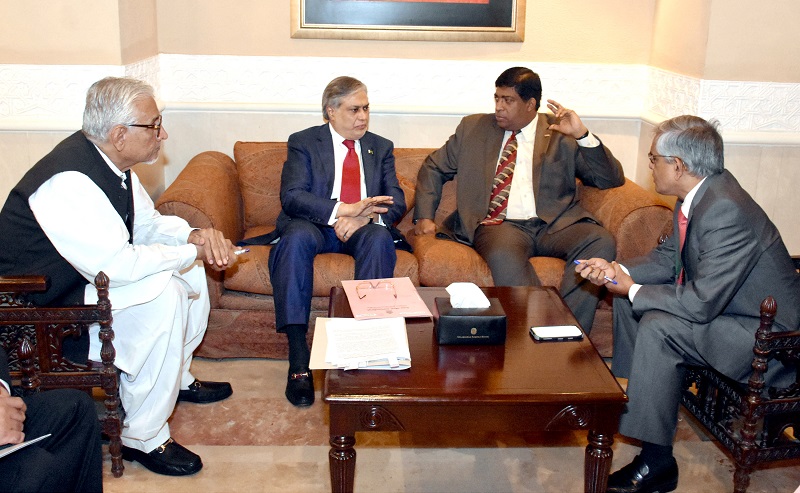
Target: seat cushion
(251, 272)
(442, 262)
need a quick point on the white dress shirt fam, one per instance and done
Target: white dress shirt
(83, 226)
(521, 199)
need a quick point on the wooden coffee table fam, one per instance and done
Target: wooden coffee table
(519, 387)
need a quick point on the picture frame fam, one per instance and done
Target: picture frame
(418, 20)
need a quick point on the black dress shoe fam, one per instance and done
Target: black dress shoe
(637, 477)
(300, 388)
(205, 392)
(170, 459)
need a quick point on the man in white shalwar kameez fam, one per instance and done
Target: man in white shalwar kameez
(79, 211)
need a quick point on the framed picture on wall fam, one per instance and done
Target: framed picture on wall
(417, 20)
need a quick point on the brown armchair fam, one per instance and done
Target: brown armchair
(35, 339)
(756, 424)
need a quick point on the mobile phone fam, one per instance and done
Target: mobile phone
(557, 333)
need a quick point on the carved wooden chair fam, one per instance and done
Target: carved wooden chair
(34, 338)
(756, 424)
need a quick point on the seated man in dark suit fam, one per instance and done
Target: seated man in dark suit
(695, 298)
(70, 459)
(339, 193)
(516, 195)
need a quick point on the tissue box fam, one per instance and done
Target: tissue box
(470, 325)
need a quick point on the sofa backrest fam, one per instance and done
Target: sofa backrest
(259, 166)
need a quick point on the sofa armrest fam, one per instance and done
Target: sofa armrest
(206, 194)
(635, 217)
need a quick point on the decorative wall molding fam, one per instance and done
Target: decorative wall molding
(50, 97)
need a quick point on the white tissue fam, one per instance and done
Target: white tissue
(467, 295)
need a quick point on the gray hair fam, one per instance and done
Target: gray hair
(696, 141)
(110, 102)
(336, 90)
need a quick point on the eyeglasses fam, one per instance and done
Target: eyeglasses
(366, 286)
(156, 126)
(652, 157)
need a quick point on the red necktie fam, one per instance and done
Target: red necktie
(498, 201)
(351, 175)
(682, 223)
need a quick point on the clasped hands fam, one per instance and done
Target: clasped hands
(351, 217)
(595, 270)
(213, 248)
(12, 418)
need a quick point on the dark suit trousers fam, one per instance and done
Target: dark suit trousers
(291, 263)
(652, 353)
(506, 248)
(69, 460)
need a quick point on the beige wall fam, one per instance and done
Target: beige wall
(680, 35)
(611, 31)
(59, 32)
(138, 30)
(754, 41)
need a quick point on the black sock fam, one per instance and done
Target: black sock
(656, 456)
(299, 354)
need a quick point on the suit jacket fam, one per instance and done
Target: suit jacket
(308, 175)
(733, 258)
(471, 153)
(4, 373)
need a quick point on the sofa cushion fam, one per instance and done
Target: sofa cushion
(407, 162)
(259, 165)
(442, 262)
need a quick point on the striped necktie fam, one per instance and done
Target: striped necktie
(501, 187)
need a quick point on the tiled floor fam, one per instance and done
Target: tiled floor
(256, 441)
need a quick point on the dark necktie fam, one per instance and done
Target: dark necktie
(501, 187)
(682, 223)
(351, 175)
(129, 215)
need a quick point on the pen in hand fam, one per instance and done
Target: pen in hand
(239, 252)
(612, 281)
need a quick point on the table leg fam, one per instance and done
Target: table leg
(597, 462)
(342, 460)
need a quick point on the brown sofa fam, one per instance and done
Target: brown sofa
(240, 197)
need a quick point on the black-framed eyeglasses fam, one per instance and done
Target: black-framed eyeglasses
(652, 157)
(362, 288)
(155, 126)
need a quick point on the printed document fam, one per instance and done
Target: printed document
(346, 343)
(384, 298)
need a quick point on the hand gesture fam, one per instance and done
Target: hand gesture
(424, 227)
(12, 417)
(596, 270)
(568, 122)
(213, 248)
(366, 207)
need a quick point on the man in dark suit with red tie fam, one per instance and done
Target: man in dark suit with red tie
(340, 194)
(539, 212)
(695, 298)
(70, 459)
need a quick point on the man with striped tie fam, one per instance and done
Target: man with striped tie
(516, 193)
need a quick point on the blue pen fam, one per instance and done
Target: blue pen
(604, 277)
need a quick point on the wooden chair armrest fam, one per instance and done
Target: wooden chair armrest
(24, 284)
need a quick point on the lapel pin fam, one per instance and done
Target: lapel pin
(369, 151)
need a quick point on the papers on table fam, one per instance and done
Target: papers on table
(10, 450)
(384, 298)
(346, 343)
